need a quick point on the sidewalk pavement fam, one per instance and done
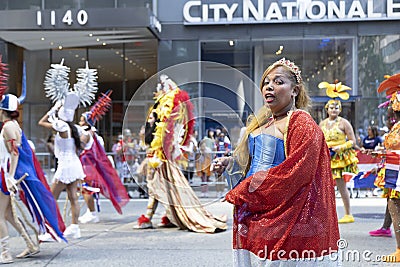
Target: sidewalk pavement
(113, 242)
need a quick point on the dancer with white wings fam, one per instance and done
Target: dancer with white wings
(67, 140)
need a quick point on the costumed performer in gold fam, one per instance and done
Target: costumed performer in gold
(341, 140)
(172, 127)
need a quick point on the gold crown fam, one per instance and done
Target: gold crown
(293, 68)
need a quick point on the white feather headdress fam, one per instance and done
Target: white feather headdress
(86, 85)
(56, 83)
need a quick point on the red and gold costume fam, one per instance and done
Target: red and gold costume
(165, 180)
(292, 208)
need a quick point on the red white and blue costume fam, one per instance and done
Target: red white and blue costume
(98, 169)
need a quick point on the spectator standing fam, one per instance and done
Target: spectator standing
(209, 140)
(369, 144)
(116, 148)
(203, 162)
(372, 140)
(124, 151)
(190, 155)
(223, 149)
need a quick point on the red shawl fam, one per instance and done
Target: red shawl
(101, 174)
(289, 209)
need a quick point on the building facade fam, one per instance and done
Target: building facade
(130, 42)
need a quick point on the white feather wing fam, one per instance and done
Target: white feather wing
(86, 85)
(56, 83)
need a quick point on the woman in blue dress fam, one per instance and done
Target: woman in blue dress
(285, 203)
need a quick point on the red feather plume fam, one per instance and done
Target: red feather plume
(3, 77)
(100, 108)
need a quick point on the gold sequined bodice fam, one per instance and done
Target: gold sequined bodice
(392, 139)
(333, 136)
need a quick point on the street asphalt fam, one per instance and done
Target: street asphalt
(113, 241)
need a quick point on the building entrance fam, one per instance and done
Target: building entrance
(123, 59)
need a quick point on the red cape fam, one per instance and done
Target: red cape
(101, 174)
(290, 207)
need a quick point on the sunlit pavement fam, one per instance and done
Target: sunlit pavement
(113, 242)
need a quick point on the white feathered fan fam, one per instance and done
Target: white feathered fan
(56, 83)
(86, 85)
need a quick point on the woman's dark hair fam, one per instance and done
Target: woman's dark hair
(149, 130)
(75, 134)
(12, 114)
(374, 131)
(209, 133)
(396, 114)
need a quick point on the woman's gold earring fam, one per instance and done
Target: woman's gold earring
(294, 103)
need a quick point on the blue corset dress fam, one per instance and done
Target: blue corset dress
(266, 151)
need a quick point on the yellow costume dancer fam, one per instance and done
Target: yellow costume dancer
(340, 138)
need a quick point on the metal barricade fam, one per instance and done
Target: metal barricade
(127, 171)
(46, 161)
(133, 181)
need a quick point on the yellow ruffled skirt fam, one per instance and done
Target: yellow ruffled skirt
(345, 161)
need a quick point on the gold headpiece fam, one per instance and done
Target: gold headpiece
(334, 102)
(293, 68)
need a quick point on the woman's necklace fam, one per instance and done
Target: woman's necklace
(275, 118)
(331, 122)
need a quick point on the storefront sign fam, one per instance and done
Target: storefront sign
(264, 11)
(81, 17)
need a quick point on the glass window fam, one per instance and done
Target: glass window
(64, 4)
(140, 61)
(32, 113)
(320, 59)
(175, 52)
(97, 4)
(327, 59)
(136, 3)
(61, 4)
(114, 72)
(376, 58)
(26, 4)
(109, 64)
